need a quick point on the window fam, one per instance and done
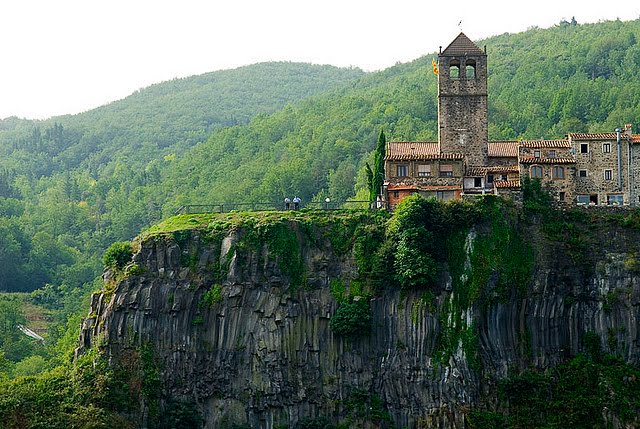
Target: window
(536, 172)
(490, 178)
(470, 69)
(584, 147)
(504, 177)
(608, 174)
(606, 147)
(424, 170)
(558, 172)
(582, 173)
(477, 182)
(562, 196)
(615, 200)
(403, 170)
(445, 195)
(446, 170)
(551, 154)
(396, 194)
(536, 154)
(583, 199)
(454, 69)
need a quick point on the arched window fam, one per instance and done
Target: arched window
(470, 69)
(536, 172)
(558, 172)
(454, 69)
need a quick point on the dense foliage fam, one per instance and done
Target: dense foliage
(72, 185)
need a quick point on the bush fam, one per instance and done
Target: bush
(352, 319)
(117, 255)
(213, 296)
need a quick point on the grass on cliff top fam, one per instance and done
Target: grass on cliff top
(235, 220)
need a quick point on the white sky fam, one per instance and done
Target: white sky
(68, 56)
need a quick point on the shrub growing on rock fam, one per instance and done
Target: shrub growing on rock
(117, 255)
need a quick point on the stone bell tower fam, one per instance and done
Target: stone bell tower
(462, 101)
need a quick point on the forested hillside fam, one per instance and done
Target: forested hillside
(72, 185)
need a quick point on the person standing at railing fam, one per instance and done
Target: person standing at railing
(287, 203)
(296, 203)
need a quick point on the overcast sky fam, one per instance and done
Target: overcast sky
(68, 56)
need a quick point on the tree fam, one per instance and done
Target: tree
(377, 177)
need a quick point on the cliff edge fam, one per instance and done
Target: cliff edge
(442, 315)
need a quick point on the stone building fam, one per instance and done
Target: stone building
(584, 168)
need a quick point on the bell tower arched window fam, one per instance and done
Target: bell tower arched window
(454, 69)
(470, 69)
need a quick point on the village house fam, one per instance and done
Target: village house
(583, 168)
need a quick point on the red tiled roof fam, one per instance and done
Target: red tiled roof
(411, 150)
(596, 136)
(503, 169)
(400, 151)
(503, 149)
(534, 160)
(462, 45)
(481, 171)
(545, 143)
(449, 156)
(475, 171)
(635, 138)
(507, 184)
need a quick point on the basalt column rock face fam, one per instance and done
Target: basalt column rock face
(233, 333)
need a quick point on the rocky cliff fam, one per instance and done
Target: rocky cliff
(238, 317)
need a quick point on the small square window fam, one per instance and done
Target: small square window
(562, 196)
(606, 147)
(608, 174)
(424, 170)
(584, 147)
(490, 178)
(446, 170)
(583, 199)
(403, 170)
(615, 200)
(536, 154)
(396, 194)
(582, 173)
(551, 154)
(477, 182)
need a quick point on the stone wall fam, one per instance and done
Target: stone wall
(463, 110)
(595, 162)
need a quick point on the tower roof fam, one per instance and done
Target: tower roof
(462, 45)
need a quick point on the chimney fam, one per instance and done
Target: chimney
(627, 129)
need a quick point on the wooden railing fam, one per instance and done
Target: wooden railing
(259, 206)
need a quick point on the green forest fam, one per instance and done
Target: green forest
(72, 185)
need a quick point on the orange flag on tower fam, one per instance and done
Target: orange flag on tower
(435, 66)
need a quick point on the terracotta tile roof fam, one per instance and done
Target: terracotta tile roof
(462, 45)
(400, 151)
(503, 149)
(503, 169)
(449, 156)
(635, 138)
(411, 150)
(481, 171)
(534, 160)
(596, 136)
(475, 171)
(507, 184)
(545, 143)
